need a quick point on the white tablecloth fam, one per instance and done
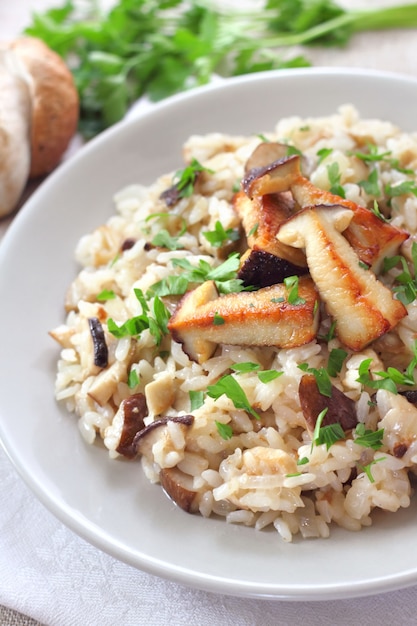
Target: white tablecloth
(53, 576)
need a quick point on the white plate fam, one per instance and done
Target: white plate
(110, 503)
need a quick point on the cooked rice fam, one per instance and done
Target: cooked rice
(252, 478)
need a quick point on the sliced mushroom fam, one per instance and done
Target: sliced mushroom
(179, 487)
(259, 318)
(101, 351)
(145, 438)
(259, 268)
(133, 410)
(261, 217)
(371, 238)
(105, 383)
(340, 408)
(363, 308)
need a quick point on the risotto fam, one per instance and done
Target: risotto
(243, 330)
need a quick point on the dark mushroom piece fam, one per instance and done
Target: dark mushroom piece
(179, 487)
(176, 484)
(145, 438)
(134, 411)
(101, 352)
(340, 409)
(259, 268)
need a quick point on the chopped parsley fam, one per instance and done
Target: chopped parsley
(219, 236)
(196, 399)
(247, 366)
(218, 320)
(326, 434)
(322, 378)
(323, 153)
(406, 290)
(337, 357)
(225, 430)
(391, 378)
(371, 184)
(185, 179)
(163, 239)
(133, 379)
(228, 386)
(401, 188)
(291, 283)
(334, 177)
(156, 320)
(368, 438)
(106, 294)
(268, 376)
(368, 468)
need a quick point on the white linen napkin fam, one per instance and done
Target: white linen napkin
(50, 574)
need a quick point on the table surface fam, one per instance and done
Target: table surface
(156, 601)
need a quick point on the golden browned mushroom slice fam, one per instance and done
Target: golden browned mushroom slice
(259, 318)
(363, 308)
(371, 238)
(261, 217)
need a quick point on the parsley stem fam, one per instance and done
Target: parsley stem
(391, 17)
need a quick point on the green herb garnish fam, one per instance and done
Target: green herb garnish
(368, 438)
(196, 399)
(218, 320)
(228, 386)
(266, 376)
(225, 430)
(244, 368)
(322, 378)
(219, 236)
(334, 176)
(106, 294)
(337, 357)
(133, 379)
(142, 47)
(368, 468)
(291, 283)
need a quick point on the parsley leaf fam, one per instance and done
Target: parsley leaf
(335, 363)
(406, 291)
(368, 468)
(247, 366)
(228, 386)
(225, 430)
(370, 185)
(218, 320)
(133, 379)
(219, 236)
(291, 283)
(196, 399)
(106, 294)
(322, 378)
(368, 438)
(334, 176)
(266, 376)
(185, 179)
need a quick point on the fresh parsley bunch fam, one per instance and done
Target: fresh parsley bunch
(160, 47)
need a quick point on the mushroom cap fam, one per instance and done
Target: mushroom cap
(55, 103)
